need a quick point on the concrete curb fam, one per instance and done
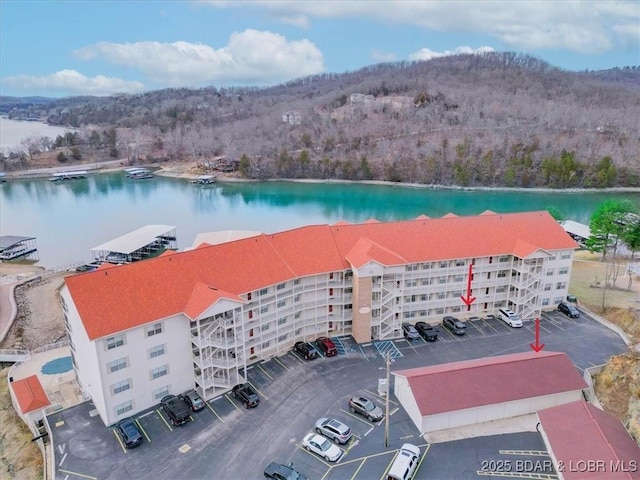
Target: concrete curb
(14, 305)
(611, 326)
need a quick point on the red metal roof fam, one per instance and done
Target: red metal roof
(30, 394)
(486, 381)
(579, 432)
(116, 299)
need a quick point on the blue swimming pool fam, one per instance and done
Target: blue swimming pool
(57, 366)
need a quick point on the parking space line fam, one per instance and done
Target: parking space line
(214, 412)
(164, 420)
(119, 441)
(355, 416)
(265, 372)
(366, 457)
(296, 356)
(489, 325)
(368, 431)
(474, 326)
(231, 401)
(282, 364)
(380, 396)
(320, 459)
(144, 432)
(412, 347)
(259, 392)
(386, 470)
(339, 346)
(424, 455)
(387, 347)
(536, 453)
(69, 472)
(358, 469)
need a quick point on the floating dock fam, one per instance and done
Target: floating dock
(204, 180)
(13, 248)
(148, 241)
(138, 173)
(72, 175)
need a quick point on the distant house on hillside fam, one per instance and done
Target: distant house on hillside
(292, 118)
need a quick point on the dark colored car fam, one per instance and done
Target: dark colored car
(129, 433)
(326, 346)
(454, 325)
(282, 472)
(569, 310)
(194, 400)
(410, 332)
(427, 332)
(572, 299)
(366, 408)
(176, 409)
(306, 350)
(246, 394)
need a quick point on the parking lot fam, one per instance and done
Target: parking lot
(225, 440)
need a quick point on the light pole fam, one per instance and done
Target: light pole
(386, 406)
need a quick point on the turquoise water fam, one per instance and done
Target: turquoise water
(68, 218)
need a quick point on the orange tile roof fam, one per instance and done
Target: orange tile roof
(30, 394)
(116, 299)
(486, 381)
(579, 431)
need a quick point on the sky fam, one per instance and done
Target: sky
(58, 48)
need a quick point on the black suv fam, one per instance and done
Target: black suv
(427, 332)
(194, 400)
(454, 325)
(569, 310)
(282, 472)
(246, 394)
(129, 433)
(306, 350)
(176, 409)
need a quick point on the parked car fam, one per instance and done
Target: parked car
(366, 408)
(321, 446)
(405, 464)
(334, 430)
(176, 409)
(454, 325)
(306, 350)
(326, 346)
(569, 310)
(246, 394)
(410, 332)
(129, 433)
(194, 400)
(572, 299)
(279, 471)
(427, 332)
(509, 317)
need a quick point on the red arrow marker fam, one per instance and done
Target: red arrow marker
(468, 300)
(538, 346)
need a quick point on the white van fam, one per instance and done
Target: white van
(405, 464)
(510, 318)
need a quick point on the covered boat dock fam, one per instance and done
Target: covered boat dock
(13, 247)
(145, 242)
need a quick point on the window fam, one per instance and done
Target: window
(263, 291)
(156, 351)
(504, 258)
(264, 327)
(154, 329)
(443, 264)
(501, 289)
(265, 345)
(250, 314)
(348, 306)
(547, 287)
(550, 272)
(117, 365)
(330, 308)
(296, 281)
(114, 342)
(460, 263)
(158, 393)
(412, 267)
(424, 281)
(441, 295)
(251, 333)
(296, 298)
(282, 338)
(330, 275)
(411, 283)
(442, 279)
(502, 273)
(488, 275)
(458, 278)
(264, 309)
(281, 303)
(545, 302)
(409, 314)
(561, 285)
(159, 372)
(563, 270)
(282, 321)
(490, 260)
(281, 286)
(249, 296)
(120, 387)
(297, 315)
(565, 256)
(331, 292)
(423, 297)
(124, 408)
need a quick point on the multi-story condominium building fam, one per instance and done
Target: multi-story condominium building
(197, 318)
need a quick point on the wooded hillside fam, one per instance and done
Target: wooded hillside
(498, 119)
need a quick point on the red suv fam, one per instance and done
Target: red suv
(327, 347)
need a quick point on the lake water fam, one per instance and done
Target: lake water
(12, 132)
(69, 218)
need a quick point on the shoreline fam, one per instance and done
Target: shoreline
(180, 170)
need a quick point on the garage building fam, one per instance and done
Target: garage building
(474, 391)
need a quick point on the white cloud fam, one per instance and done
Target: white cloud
(582, 26)
(381, 56)
(251, 57)
(427, 54)
(628, 35)
(71, 82)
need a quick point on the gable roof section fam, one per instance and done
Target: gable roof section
(30, 394)
(579, 431)
(135, 294)
(203, 296)
(486, 381)
(365, 251)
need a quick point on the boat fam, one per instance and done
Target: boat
(139, 173)
(204, 180)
